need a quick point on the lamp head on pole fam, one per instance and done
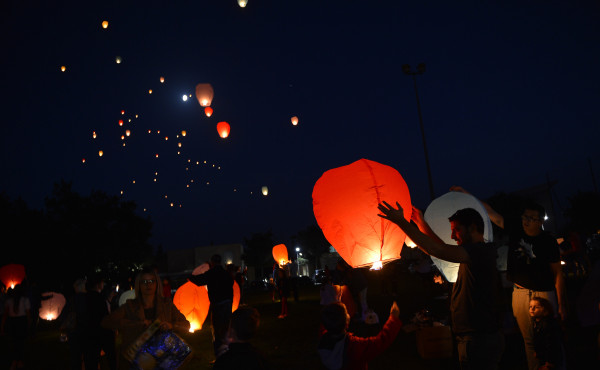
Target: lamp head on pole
(406, 69)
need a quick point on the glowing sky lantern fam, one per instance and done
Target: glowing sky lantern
(208, 111)
(63, 68)
(12, 274)
(183, 133)
(437, 214)
(150, 91)
(105, 24)
(236, 296)
(192, 301)
(52, 305)
(280, 254)
(204, 94)
(122, 112)
(127, 132)
(100, 153)
(265, 190)
(162, 80)
(125, 296)
(242, 3)
(294, 120)
(120, 122)
(345, 203)
(118, 59)
(94, 134)
(223, 129)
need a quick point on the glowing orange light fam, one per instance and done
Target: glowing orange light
(120, 122)
(223, 129)
(105, 24)
(192, 301)
(94, 134)
(100, 153)
(127, 132)
(122, 112)
(208, 111)
(294, 120)
(183, 133)
(204, 94)
(150, 91)
(162, 80)
(63, 68)
(280, 254)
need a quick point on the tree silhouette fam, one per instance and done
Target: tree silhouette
(583, 212)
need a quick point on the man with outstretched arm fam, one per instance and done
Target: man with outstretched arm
(533, 266)
(475, 297)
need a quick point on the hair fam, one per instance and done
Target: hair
(244, 322)
(92, 282)
(334, 317)
(138, 283)
(546, 305)
(533, 206)
(216, 259)
(467, 217)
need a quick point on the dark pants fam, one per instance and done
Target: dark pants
(220, 316)
(480, 350)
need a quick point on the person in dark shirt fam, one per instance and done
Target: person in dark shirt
(240, 353)
(220, 293)
(546, 335)
(475, 297)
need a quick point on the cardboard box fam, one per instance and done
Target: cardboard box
(435, 342)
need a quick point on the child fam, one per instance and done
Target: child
(241, 354)
(339, 349)
(546, 334)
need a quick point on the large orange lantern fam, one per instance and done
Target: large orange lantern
(280, 254)
(12, 275)
(52, 305)
(223, 129)
(204, 94)
(236, 296)
(345, 203)
(192, 301)
(208, 111)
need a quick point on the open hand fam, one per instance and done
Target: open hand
(390, 213)
(395, 310)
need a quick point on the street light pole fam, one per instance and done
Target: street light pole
(420, 70)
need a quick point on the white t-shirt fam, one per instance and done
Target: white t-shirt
(20, 309)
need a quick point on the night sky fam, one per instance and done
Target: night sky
(510, 97)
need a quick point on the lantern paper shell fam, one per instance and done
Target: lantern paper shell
(236, 296)
(265, 190)
(345, 203)
(104, 24)
(52, 305)
(192, 301)
(223, 129)
(294, 120)
(201, 269)
(437, 214)
(125, 296)
(242, 3)
(12, 275)
(280, 254)
(204, 94)
(208, 111)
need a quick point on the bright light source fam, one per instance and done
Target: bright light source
(184, 97)
(562, 262)
(545, 217)
(409, 243)
(377, 265)
(297, 249)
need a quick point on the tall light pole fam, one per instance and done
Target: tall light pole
(420, 70)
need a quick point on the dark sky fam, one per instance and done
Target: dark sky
(510, 96)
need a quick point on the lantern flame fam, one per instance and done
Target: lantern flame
(377, 265)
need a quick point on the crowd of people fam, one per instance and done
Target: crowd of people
(92, 318)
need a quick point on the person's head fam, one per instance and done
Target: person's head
(148, 285)
(94, 283)
(540, 307)
(467, 226)
(215, 260)
(79, 286)
(244, 323)
(335, 318)
(532, 218)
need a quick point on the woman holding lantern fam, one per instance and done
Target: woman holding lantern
(136, 315)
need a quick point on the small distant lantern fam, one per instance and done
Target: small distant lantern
(183, 133)
(118, 59)
(294, 120)
(122, 137)
(63, 68)
(208, 111)
(265, 190)
(120, 122)
(179, 145)
(94, 134)
(104, 24)
(166, 138)
(136, 116)
(100, 153)
(83, 160)
(204, 94)
(122, 112)
(157, 155)
(162, 80)
(223, 129)
(127, 133)
(242, 3)
(150, 91)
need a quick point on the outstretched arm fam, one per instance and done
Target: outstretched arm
(495, 217)
(451, 253)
